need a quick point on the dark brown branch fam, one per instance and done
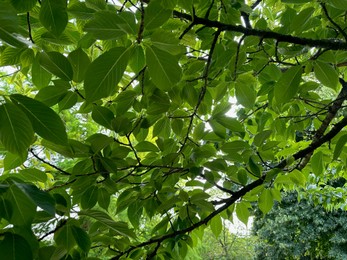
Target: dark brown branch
(142, 23)
(48, 163)
(332, 44)
(29, 28)
(333, 22)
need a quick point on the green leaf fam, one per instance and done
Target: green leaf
(339, 4)
(317, 163)
(103, 198)
(57, 64)
(12, 161)
(23, 207)
(216, 226)
(89, 197)
(159, 103)
(68, 101)
(9, 27)
(135, 210)
(32, 175)
(120, 228)
(288, 84)
(297, 177)
(45, 121)
(105, 72)
(51, 95)
(53, 15)
(40, 76)
(230, 123)
(166, 41)
(16, 132)
(111, 25)
(23, 5)
(64, 236)
(254, 167)
(265, 201)
(340, 144)
(38, 197)
(242, 212)
(103, 116)
(326, 74)
(163, 68)
(245, 90)
(235, 146)
(156, 15)
(13, 247)
(80, 62)
(81, 237)
(146, 146)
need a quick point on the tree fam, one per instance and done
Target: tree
(116, 118)
(300, 230)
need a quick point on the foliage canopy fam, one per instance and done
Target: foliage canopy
(116, 116)
(300, 230)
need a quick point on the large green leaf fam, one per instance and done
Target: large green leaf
(32, 175)
(156, 15)
(265, 201)
(38, 197)
(339, 146)
(105, 72)
(326, 74)
(120, 228)
(89, 197)
(245, 90)
(81, 237)
(288, 84)
(163, 68)
(23, 207)
(53, 15)
(23, 5)
(9, 28)
(64, 236)
(51, 95)
(80, 62)
(16, 132)
(45, 121)
(40, 76)
(110, 25)
(13, 247)
(57, 64)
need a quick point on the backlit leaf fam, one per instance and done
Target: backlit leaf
(288, 84)
(163, 68)
(104, 73)
(45, 121)
(16, 132)
(53, 15)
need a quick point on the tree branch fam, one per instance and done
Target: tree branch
(332, 44)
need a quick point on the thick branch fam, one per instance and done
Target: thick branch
(332, 44)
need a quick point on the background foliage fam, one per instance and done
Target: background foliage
(301, 230)
(116, 126)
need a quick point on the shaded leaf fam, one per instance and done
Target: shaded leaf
(13, 246)
(120, 228)
(57, 64)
